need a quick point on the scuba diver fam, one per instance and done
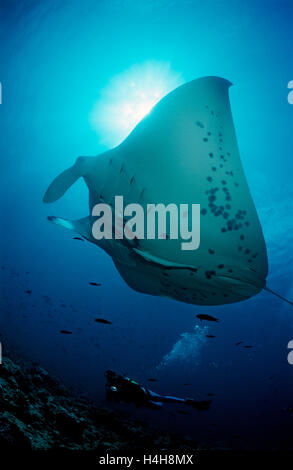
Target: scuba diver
(121, 388)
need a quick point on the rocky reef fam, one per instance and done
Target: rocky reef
(39, 414)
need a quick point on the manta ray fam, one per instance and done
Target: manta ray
(184, 151)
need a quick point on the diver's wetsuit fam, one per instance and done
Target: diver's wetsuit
(121, 388)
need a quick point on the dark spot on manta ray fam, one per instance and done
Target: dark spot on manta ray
(247, 251)
(203, 212)
(152, 379)
(199, 124)
(209, 179)
(28, 291)
(66, 332)
(230, 270)
(205, 139)
(211, 155)
(132, 180)
(96, 284)
(248, 346)
(220, 266)
(214, 168)
(210, 274)
(78, 238)
(212, 252)
(241, 237)
(210, 336)
(102, 320)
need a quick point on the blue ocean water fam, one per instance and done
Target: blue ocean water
(56, 58)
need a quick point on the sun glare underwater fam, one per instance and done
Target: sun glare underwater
(77, 78)
(128, 97)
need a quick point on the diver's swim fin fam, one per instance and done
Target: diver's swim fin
(62, 182)
(278, 295)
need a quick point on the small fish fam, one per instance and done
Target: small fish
(210, 336)
(28, 291)
(102, 320)
(239, 342)
(248, 347)
(203, 316)
(97, 284)
(66, 332)
(78, 238)
(152, 380)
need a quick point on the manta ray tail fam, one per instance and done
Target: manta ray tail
(278, 295)
(67, 178)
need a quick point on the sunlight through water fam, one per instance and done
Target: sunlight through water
(128, 97)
